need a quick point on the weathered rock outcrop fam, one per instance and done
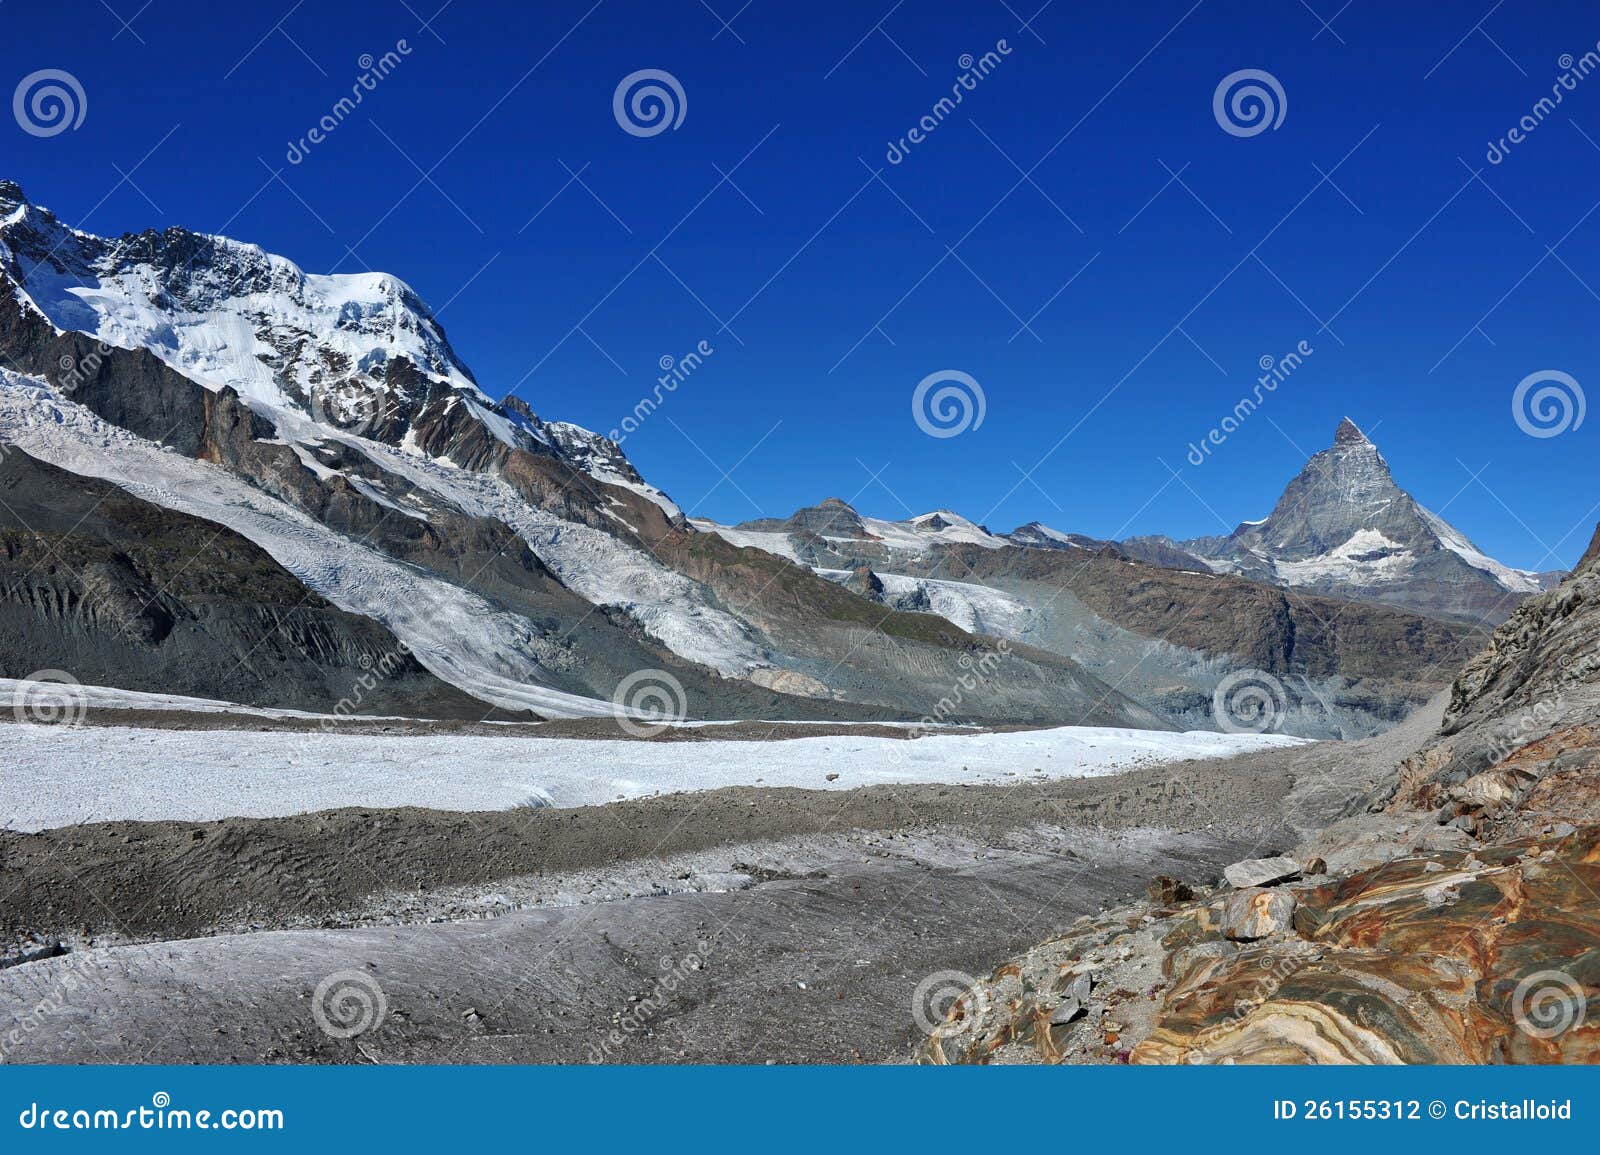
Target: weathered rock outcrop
(1460, 926)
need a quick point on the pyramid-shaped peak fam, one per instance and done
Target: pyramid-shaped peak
(1349, 433)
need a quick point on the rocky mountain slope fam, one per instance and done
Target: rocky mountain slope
(524, 562)
(1344, 527)
(1168, 635)
(1448, 918)
(117, 589)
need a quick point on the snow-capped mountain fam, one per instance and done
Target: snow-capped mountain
(338, 446)
(359, 352)
(1143, 615)
(1344, 527)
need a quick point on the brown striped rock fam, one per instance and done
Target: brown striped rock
(1490, 956)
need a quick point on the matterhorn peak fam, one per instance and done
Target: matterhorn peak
(1349, 433)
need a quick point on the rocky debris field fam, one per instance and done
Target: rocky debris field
(1449, 916)
(1471, 954)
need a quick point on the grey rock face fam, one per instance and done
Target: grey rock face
(1255, 872)
(1254, 913)
(1344, 527)
(118, 592)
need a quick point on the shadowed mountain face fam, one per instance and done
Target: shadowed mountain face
(122, 592)
(1344, 527)
(327, 421)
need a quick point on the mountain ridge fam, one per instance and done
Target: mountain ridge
(544, 573)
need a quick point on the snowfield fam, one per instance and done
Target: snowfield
(61, 775)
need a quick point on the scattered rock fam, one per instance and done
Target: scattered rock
(1315, 866)
(1164, 890)
(1262, 871)
(1066, 1012)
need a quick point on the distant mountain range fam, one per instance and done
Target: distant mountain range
(1342, 527)
(225, 476)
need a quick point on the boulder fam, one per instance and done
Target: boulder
(1256, 913)
(1262, 871)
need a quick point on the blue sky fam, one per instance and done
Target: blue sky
(828, 292)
